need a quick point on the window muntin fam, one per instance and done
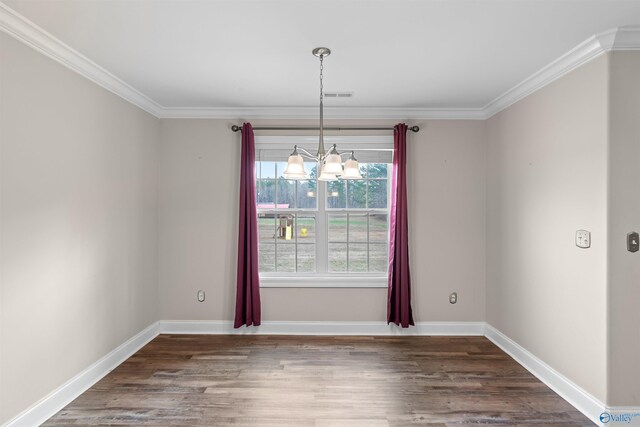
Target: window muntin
(286, 242)
(358, 235)
(286, 231)
(367, 193)
(274, 192)
(358, 242)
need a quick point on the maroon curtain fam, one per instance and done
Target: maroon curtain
(248, 286)
(399, 295)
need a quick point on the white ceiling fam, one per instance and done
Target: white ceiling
(391, 53)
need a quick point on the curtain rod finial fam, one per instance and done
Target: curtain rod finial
(235, 128)
(414, 128)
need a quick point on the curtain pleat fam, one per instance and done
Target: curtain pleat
(399, 292)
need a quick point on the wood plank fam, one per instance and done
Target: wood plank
(219, 380)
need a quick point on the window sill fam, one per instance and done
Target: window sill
(323, 282)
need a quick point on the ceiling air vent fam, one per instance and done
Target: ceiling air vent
(338, 94)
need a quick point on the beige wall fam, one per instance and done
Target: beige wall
(624, 216)
(197, 218)
(78, 192)
(111, 219)
(198, 228)
(547, 178)
(83, 267)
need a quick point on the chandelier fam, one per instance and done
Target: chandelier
(329, 162)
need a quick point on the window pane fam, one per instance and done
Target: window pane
(363, 169)
(358, 257)
(266, 257)
(266, 193)
(378, 194)
(286, 259)
(358, 228)
(337, 225)
(357, 194)
(266, 228)
(306, 229)
(377, 170)
(311, 168)
(378, 258)
(337, 257)
(285, 231)
(286, 194)
(306, 258)
(280, 167)
(265, 170)
(378, 228)
(336, 195)
(307, 194)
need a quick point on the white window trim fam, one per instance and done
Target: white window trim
(323, 280)
(384, 142)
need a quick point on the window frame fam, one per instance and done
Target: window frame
(322, 278)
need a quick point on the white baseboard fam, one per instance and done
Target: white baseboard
(42, 410)
(584, 402)
(63, 395)
(321, 328)
(591, 407)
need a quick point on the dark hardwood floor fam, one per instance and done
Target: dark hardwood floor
(214, 380)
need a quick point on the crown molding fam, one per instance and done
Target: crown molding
(627, 38)
(622, 38)
(17, 26)
(580, 55)
(329, 113)
(32, 35)
(22, 29)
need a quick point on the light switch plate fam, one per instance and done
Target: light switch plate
(583, 239)
(633, 241)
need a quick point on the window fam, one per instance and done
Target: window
(313, 229)
(287, 212)
(357, 221)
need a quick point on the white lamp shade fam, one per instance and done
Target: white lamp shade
(327, 176)
(351, 170)
(295, 168)
(333, 164)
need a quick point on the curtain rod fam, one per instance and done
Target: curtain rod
(236, 128)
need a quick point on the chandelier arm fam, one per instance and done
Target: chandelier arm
(306, 154)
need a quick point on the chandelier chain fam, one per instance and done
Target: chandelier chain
(321, 69)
